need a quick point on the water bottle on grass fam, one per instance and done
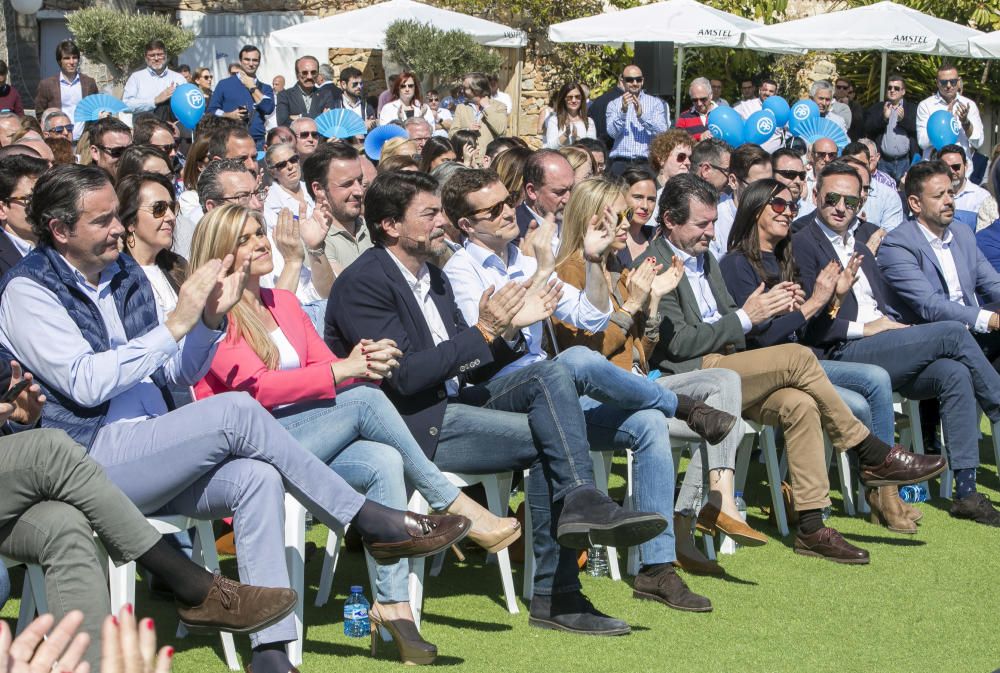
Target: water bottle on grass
(356, 624)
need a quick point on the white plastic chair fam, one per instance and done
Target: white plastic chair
(33, 599)
(497, 487)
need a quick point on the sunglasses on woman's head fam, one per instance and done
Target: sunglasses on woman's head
(779, 205)
(159, 208)
(280, 165)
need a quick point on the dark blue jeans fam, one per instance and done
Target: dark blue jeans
(938, 360)
(4, 586)
(530, 418)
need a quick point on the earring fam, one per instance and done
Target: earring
(130, 239)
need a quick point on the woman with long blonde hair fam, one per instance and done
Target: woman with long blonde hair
(272, 351)
(631, 335)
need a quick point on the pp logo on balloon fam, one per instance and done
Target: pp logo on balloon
(195, 98)
(716, 130)
(765, 126)
(956, 126)
(800, 112)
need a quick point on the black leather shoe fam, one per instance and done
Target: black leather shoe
(661, 583)
(711, 424)
(428, 534)
(829, 544)
(902, 467)
(591, 517)
(573, 613)
(977, 507)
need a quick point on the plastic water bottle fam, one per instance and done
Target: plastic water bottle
(597, 560)
(356, 624)
(914, 493)
(924, 493)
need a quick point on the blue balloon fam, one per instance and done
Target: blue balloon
(726, 124)
(779, 108)
(801, 112)
(759, 127)
(188, 105)
(943, 129)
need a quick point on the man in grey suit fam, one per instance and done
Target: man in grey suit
(305, 99)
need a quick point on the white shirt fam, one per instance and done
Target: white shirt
(723, 225)
(868, 310)
(504, 97)
(942, 250)
(278, 198)
(838, 120)
(971, 200)
(390, 113)
(70, 95)
(932, 104)
(694, 271)
(163, 291)
(420, 285)
(287, 357)
(580, 130)
(748, 107)
(143, 86)
(475, 268)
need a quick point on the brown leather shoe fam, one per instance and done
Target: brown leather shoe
(711, 424)
(911, 512)
(887, 510)
(237, 608)
(829, 544)
(901, 467)
(663, 585)
(697, 566)
(711, 518)
(429, 534)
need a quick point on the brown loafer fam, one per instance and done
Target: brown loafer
(711, 424)
(711, 519)
(887, 510)
(901, 467)
(429, 534)
(237, 608)
(829, 544)
(697, 566)
(663, 585)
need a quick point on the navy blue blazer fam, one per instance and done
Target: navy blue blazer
(372, 300)
(524, 218)
(812, 251)
(910, 266)
(9, 256)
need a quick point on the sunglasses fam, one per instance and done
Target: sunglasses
(724, 171)
(957, 168)
(166, 149)
(832, 199)
(494, 211)
(23, 201)
(829, 156)
(160, 208)
(113, 152)
(406, 86)
(308, 134)
(780, 205)
(789, 174)
(306, 73)
(948, 82)
(573, 97)
(682, 157)
(843, 86)
(65, 128)
(632, 80)
(208, 77)
(626, 215)
(894, 88)
(280, 166)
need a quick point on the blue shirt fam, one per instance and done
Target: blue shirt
(143, 86)
(50, 344)
(883, 206)
(231, 94)
(632, 134)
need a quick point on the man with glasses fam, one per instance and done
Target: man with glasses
(710, 162)
(747, 164)
(935, 360)
(747, 91)
(843, 94)
(244, 97)
(55, 124)
(974, 206)
(306, 136)
(892, 123)
(822, 152)
(695, 119)
(67, 88)
(717, 93)
(633, 120)
(306, 98)
(109, 138)
(882, 206)
(788, 169)
(419, 131)
(353, 96)
(948, 97)
(18, 175)
(150, 89)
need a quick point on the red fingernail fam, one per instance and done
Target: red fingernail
(150, 625)
(128, 608)
(170, 652)
(114, 620)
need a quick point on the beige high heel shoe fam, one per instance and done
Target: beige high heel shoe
(490, 532)
(413, 650)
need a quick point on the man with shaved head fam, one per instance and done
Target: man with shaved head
(634, 118)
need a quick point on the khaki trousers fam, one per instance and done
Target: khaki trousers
(785, 386)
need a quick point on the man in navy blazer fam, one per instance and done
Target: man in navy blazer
(242, 96)
(465, 421)
(936, 360)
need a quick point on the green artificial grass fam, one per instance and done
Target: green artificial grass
(925, 603)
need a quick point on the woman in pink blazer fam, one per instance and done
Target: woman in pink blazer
(332, 406)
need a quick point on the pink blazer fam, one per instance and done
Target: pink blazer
(237, 367)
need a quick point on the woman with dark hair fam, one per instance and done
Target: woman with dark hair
(760, 252)
(404, 102)
(148, 211)
(465, 144)
(640, 194)
(569, 121)
(144, 159)
(203, 78)
(437, 150)
(480, 112)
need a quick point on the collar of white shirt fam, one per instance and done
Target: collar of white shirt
(419, 283)
(935, 241)
(846, 239)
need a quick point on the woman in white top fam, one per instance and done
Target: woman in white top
(404, 102)
(569, 121)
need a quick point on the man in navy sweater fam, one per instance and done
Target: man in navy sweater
(242, 96)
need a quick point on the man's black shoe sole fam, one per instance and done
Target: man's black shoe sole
(642, 596)
(540, 623)
(629, 532)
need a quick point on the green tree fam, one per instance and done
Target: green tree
(117, 39)
(442, 56)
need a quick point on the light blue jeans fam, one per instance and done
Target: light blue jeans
(361, 436)
(867, 392)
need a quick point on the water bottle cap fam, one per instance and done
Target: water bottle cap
(356, 589)
(739, 494)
